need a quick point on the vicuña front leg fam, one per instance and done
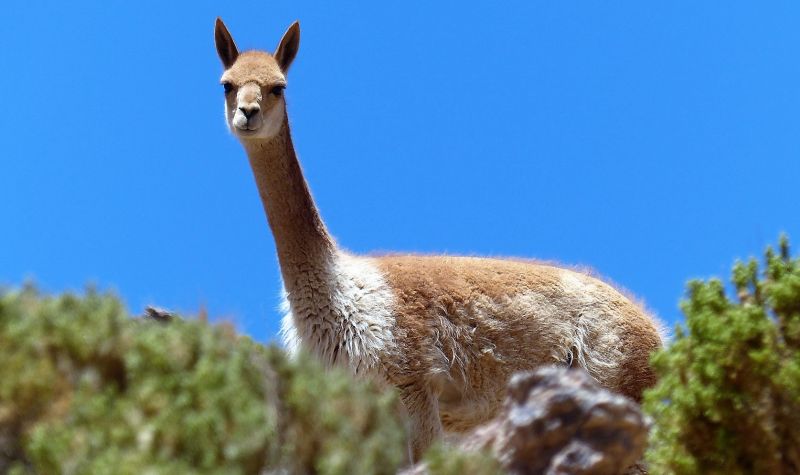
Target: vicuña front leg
(423, 411)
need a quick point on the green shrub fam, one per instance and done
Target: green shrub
(728, 398)
(84, 388)
(442, 460)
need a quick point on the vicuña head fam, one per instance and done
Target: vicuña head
(447, 331)
(254, 82)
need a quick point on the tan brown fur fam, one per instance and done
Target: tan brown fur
(454, 354)
(255, 66)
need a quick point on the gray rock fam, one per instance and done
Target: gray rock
(559, 421)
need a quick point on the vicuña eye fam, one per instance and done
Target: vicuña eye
(277, 90)
(227, 86)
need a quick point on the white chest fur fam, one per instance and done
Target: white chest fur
(343, 316)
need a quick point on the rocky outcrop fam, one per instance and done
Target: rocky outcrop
(559, 421)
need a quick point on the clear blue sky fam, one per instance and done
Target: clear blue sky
(654, 142)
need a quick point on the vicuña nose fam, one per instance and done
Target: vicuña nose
(250, 111)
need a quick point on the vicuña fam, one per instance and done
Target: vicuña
(446, 331)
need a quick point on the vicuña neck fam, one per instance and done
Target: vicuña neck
(305, 249)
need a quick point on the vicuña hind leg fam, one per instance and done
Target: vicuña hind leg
(423, 411)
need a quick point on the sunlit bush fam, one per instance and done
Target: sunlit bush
(84, 388)
(728, 400)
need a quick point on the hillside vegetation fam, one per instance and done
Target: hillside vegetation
(728, 399)
(84, 388)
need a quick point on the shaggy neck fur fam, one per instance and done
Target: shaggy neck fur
(305, 249)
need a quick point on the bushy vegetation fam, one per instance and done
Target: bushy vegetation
(441, 460)
(728, 400)
(84, 388)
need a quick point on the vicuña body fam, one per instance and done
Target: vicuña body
(447, 332)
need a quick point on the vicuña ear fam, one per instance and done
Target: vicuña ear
(287, 48)
(226, 48)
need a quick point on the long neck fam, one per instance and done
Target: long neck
(303, 243)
